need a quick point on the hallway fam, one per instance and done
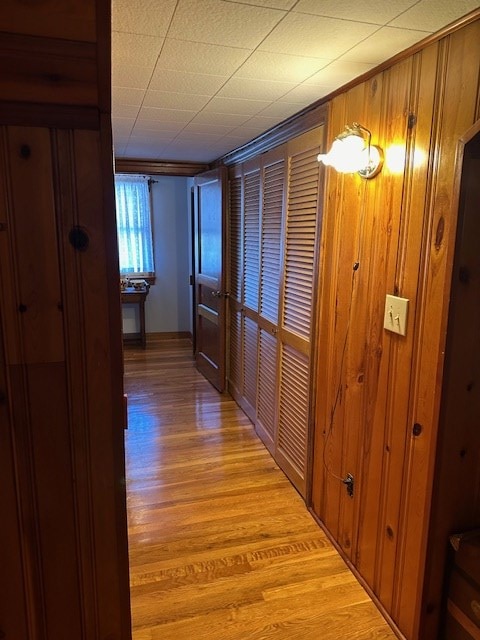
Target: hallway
(221, 545)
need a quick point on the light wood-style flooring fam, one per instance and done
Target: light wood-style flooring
(221, 545)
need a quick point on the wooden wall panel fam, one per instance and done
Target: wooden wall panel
(397, 349)
(459, 77)
(327, 468)
(34, 234)
(68, 19)
(43, 71)
(15, 613)
(377, 385)
(61, 393)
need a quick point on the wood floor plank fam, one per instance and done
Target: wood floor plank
(221, 544)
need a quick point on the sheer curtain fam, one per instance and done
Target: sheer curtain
(134, 225)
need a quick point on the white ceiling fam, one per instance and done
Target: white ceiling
(194, 79)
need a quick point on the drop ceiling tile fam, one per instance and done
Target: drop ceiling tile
(432, 15)
(170, 100)
(124, 111)
(339, 73)
(119, 150)
(149, 127)
(152, 17)
(280, 110)
(236, 106)
(199, 127)
(120, 141)
(124, 95)
(145, 152)
(123, 124)
(265, 65)
(249, 133)
(135, 50)
(230, 119)
(153, 137)
(374, 12)
(316, 36)
(198, 138)
(165, 115)
(251, 89)
(130, 77)
(273, 4)
(306, 94)
(218, 22)
(237, 137)
(183, 55)
(384, 44)
(181, 82)
(187, 154)
(263, 122)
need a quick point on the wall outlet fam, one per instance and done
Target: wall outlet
(396, 311)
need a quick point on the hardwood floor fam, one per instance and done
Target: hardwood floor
(221, 545)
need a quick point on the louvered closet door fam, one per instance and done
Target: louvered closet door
(297, 307)
(270, 265)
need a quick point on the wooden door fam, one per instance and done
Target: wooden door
(210, 294)
(302, 225)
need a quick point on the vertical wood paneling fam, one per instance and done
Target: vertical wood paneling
(355, 352)
(397, 351)
(381, 384)
(62, 458)
(327, 468)
(13, 595)
(251, 240)
(34, 231)
(453, 118)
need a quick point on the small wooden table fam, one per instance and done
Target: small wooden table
(130, 295)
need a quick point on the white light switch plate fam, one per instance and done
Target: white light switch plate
(396, 310)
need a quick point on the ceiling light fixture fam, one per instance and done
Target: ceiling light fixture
(352, 152)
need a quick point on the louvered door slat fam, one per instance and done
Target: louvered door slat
(251, 253)
(293, 407)
(302, 205)
(250, 360)
(273, 183)
(235, 238)
(235, 368)
(267, 383)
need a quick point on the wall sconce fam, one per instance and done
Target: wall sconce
(352, 152)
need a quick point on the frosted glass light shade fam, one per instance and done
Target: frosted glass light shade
(351, 153)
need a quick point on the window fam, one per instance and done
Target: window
(134, 225)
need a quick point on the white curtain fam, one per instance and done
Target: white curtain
(134, 226)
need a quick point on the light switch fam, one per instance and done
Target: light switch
(396, 310)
